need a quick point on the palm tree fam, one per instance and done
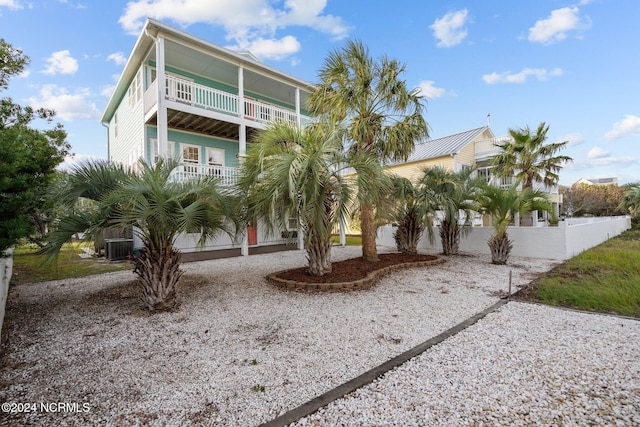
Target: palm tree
(413, 214)
(156, 208)
(631, 200)
(503, 205)
(453, 194)
(529, 159)
(382, 116)
(294, 172)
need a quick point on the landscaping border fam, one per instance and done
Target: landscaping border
(363, 283)
(368, 377)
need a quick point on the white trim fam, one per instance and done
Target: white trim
(155, 149)
(188, 162)
(220, 156)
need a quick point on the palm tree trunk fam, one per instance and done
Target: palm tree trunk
(318, 255)
(500, 246)
(368, 229)
(450, 237)
(408, 233)
(159, 274)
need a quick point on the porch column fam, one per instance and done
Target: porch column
(242, 146)
(161, 121)
(300, 237)
(298, 105)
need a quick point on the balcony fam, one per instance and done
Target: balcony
(188, 171)
(211, 99)
(488, 148)
(506, 182)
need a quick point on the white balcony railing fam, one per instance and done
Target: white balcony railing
(201, 96)
(489, 147)
(197, 95)
(506, 182)
(188, 171)
(265, 113)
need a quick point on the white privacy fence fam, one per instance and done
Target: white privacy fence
(569, 238)
(6, 268)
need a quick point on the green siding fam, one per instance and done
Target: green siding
(230, 148)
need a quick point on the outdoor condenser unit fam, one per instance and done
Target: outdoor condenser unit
(118, 249)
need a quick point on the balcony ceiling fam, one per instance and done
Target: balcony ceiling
(208, 66)
(180, 120)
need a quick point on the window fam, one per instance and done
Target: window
(135, 155)
(155, 150)
(181, 89)
(135, 90)
(178, 88)
(485, 174)
(249, 108)
(190, 157)
(215, 160)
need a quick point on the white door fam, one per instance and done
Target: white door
(215, 160)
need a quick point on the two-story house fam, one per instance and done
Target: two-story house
(184, 97)
(469, 149)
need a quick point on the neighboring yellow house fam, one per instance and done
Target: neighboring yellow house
(597, 181)
(469, 149)
(454, 152)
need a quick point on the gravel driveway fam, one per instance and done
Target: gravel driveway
(239, 352)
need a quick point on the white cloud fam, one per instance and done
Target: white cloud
(609, 161)
(555, 28)
(61, 62)
(428, 89)
(449, 30)
(117, 58)
(73, 5)
(270, 48)
(106, 91)
(572, 139)
(597, 153)
(507, 77)
(68, 106)
(248, 23)
(75, 160)
(11, 4)
(629, 126)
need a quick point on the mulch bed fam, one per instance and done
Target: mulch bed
(353, 269)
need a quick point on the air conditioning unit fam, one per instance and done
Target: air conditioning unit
(292, 224)
(118, 249)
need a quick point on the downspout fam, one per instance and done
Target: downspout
(161, 117)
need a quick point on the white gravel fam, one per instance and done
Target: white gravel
(522, 365)
(240, 352)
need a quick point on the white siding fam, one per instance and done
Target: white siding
(130, 130)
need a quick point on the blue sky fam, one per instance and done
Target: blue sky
(574, 65)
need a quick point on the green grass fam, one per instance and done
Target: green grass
(605, 279)
(29, 267)
(351, 240)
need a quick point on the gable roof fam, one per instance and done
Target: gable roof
(153, 29)
(445, 146)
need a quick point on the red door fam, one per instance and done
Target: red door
(252, 234)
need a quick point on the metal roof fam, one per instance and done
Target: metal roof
(444, 146)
